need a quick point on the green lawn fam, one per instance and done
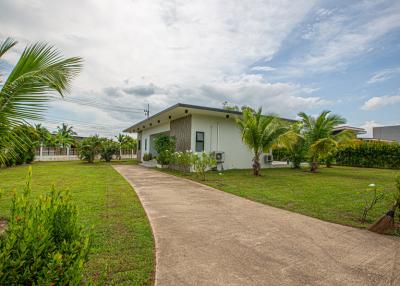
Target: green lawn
(123, 247)
(331, 195)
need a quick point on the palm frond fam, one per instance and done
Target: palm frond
(7, 44)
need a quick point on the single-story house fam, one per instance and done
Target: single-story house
(198, 128)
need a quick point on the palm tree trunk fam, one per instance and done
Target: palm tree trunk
(314, 165)
(256, 165)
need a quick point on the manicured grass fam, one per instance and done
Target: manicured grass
(332, 194)
(123, 247)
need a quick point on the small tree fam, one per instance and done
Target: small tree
(165, 146)
(295, 145)
(370, 197)
(89, 148)
(260, 133)
(203, 162)
(319, 135)
(108, 149)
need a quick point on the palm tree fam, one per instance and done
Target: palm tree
(66, 130)
(40, 70)
(295, 144)
(43, 133)
(260, 133)
(319, 135)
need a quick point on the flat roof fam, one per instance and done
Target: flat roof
(180, 110)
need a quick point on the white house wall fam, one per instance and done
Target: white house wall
(146, 136)
(222, 134)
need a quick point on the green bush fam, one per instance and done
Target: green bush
(147, 157)
(181, 161)
(89, 148)
(203, 162)
(373, 154)
(165, 146)
(43, 243)
(108, 148)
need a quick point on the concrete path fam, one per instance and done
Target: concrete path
(208, 237)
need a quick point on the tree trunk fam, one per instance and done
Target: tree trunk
(314, 166)
(256, 165)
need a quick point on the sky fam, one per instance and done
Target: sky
(283, 56)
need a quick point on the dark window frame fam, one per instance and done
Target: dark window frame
(199, 142)
(145, 144)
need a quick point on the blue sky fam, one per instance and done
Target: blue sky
(285, 56)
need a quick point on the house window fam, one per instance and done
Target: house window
(145, 144)
(139, 144)
(199, 141)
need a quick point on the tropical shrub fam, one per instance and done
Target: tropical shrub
(181, 161)
(203, 162)
(147, 156)
(89, 148)
(43, 243)
(165, 146)
(371, 197)
(108, 148)
(372, 154)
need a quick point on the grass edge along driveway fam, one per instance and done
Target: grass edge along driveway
(332, 194)
(123, 247)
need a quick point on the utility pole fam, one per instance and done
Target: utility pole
(147, 111)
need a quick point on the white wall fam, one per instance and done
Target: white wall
(237, 154)
(146, 136)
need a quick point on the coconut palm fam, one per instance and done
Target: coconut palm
(260, 133)
(295, 144)
(66, 130)
(40, 70)
(318, 132)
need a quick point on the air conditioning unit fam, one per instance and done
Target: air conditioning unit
(268, 159)
(219, 156)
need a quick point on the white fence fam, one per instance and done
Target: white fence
(67, 154)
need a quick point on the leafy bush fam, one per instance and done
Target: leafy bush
(89, 148)
(203, 162)
(165, 146)
(43, 243)
(147, 157)
(369, 154)
(182, 161)
(108, 149)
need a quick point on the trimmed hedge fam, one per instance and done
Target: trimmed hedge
(371, 154)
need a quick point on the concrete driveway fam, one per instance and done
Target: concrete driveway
(208, 237)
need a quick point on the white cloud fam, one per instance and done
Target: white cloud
(337, 36)
(383, 75)
(162, 51)
(263, 68)
(380, 101)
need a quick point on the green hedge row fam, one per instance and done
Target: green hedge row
(370, 154)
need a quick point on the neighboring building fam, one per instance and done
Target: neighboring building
(197, 128)
(356, 130)
(387, 133)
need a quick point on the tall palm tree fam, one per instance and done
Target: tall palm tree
(43, 133)
(66, 130)
(260, 133)
(40, 70)
(295, 144)
(318, 132)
